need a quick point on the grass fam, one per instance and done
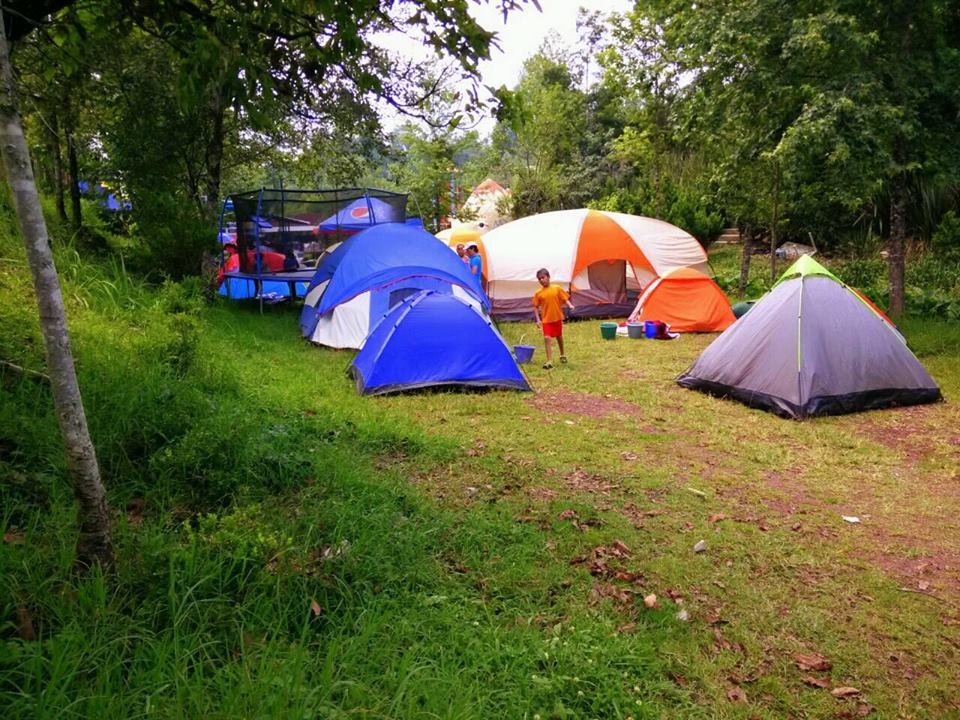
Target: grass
(288, 549)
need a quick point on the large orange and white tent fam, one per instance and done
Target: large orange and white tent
(687, 300)
(596, 254)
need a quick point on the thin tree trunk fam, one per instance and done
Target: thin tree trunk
(74, 171)
(93, 544)
(58, 169)
(215, 152)
(897, 245)
(746, 242)
(776, 221)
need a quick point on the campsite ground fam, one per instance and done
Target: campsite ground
(288, 548)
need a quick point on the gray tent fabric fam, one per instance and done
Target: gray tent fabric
(812, 347)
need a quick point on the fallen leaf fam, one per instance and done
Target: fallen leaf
(737, 694)
(12, 537)
(796, 526)
(568, 515)
(863, 709)
(25, 627)
(650, 600)
(315, 608)
(629, 456)
(717, 517)
(816, 682)
(923, 585)
(813, 661)
(627, 628)
(620, 548)
(844, 691)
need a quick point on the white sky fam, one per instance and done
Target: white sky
(525, 30)
(520, 37)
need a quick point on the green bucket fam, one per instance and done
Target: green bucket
(608, 330)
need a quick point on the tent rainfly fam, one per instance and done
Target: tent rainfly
(372, 271)
(812, 346)
(431, 340)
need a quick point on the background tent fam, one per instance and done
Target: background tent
(432, 339)
(687, 300)
(464, 235)
(370, 273)
(598, 255)
(361, 214)
(812, 347)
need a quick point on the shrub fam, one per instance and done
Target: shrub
(946, 238)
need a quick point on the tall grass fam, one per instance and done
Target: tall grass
(288, 549)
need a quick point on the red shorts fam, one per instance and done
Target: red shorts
(553, 329)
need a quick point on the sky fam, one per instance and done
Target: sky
(525, 30)
(520, 37)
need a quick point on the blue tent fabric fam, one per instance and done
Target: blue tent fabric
(431, 340)
(362, 213)
(388, 261)
(386, 253)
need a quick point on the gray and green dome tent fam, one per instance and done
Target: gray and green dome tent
(812, 346)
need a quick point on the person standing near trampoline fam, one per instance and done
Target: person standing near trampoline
(548, 304)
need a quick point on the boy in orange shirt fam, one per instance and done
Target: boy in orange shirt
(548, 304)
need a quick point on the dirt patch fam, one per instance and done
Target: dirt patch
(584, 404)
(916, 433)
(919, 561)
(795, 498)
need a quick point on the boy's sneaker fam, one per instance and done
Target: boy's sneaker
(563, 358)
(548, 366)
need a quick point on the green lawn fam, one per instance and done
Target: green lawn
(288, 549)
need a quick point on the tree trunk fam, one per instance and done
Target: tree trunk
(776, 221)
(746, 244)
(74, 171)
(58, 170)
(897, 245)
(93, 544)
(215, 152)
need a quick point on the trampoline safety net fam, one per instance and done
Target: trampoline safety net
(282, 230)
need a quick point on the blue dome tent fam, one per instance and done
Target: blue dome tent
(355, 285)
(431, 340)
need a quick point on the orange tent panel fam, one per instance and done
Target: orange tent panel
(601, 238)
(688, 301)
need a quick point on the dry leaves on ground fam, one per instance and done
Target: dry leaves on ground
(812, 661)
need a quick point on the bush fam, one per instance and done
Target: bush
(946, 238)
(174, 236)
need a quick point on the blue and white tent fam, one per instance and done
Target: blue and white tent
(369, 273)
(429, 340)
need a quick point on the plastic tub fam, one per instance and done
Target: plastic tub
(650, 328)
(608, 330)
(634, 330)
(523, 353)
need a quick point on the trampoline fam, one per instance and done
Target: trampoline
(278, 234)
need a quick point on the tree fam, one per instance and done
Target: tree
(851, 102)
(298, 47)
(93, 543)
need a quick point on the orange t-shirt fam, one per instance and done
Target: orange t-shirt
(550, 301)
